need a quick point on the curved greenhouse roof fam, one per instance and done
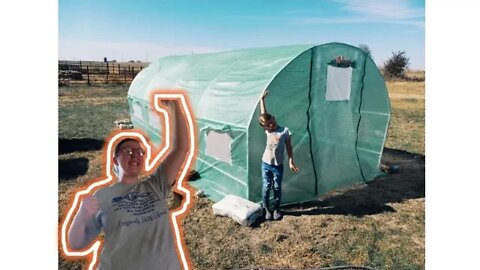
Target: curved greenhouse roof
(332, 98)
(209, 78)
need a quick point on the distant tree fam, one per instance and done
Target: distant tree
(396, 65)
(366, 49)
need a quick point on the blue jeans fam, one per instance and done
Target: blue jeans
(272, 174)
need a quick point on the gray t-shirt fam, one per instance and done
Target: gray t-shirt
(275, 148)
(135, 220)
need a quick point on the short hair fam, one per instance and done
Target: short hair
(119, 145)
(264, 117)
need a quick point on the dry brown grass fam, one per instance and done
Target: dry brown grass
(91, 101)
(407, 124)
(406, 88)
(378, 225)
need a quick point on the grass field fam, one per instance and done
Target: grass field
(380, 225)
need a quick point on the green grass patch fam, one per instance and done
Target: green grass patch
(265, 249)
(90, 118)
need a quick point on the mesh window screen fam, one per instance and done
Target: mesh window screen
(339, 83)
(218, 146)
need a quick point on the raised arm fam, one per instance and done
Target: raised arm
(262, 103)
(179, 144)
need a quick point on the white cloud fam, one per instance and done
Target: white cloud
(355, 12)
(370, 11)
(384, 9)
(354, 20)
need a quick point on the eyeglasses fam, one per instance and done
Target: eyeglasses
(131, 151)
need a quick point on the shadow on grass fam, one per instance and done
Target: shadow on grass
(372, 198)
(66, 146)
(71, 168)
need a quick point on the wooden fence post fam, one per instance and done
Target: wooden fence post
(88, 76)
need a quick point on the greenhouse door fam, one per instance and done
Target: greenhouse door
(333, 121)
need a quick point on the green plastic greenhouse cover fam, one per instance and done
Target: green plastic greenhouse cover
(338, 113)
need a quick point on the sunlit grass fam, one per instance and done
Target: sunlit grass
(384, 240)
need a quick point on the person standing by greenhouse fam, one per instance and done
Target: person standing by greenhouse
(278, 138)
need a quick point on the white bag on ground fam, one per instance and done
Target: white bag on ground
(241, 210)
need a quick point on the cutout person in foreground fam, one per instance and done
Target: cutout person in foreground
(132, 212)
(278, 138)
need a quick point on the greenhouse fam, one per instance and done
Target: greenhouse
(332, 97)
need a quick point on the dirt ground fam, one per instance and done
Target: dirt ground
(379, 224)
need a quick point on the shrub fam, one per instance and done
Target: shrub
(366, 49)
(396, 65)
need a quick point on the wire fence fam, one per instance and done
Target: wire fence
(93, 72)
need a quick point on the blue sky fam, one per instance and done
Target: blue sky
(147, 30)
